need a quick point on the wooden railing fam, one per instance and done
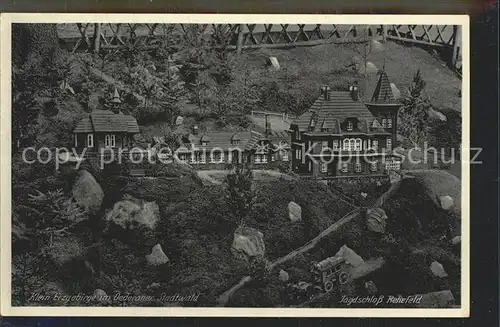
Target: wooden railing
(91, 37)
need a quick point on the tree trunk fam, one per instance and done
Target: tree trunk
(33, 43)
(97, 38)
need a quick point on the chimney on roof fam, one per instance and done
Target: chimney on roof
(353, 90)
(325, 92)
(195, 130)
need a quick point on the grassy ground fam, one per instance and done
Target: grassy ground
(305, 68)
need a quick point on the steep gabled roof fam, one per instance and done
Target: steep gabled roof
(383, 91)
(330, 112)
(107, 121)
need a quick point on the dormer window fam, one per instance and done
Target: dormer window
(235, 139)
(389, 122)
(204, 140)
(350, 126)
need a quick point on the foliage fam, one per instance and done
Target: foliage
(414, 114)
(49, 219)
(239, 192)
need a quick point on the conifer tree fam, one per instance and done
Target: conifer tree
(414, 114)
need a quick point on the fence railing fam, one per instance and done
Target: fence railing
(94, 36)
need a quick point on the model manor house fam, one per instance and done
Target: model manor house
(340, 135)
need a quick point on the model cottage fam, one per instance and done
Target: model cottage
(110, 129)
(342, 136)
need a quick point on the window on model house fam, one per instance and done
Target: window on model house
(358, 146)
(375, 144)
(285, 155)
(373, 166)
(384, 122)
(324, 168)
(90, 140)
(216, 157)
(357, 166)
(346, 145)
(324, 145)
(297, 135)
(298, 154)
(389, 122)
(393, 165)
(344, 167)
(335, 144)
(349, 126)
(389, 144)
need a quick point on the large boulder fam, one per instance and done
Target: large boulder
(294, 211)
(248, 243)
(438, 269)
(350, 256)
(134, 220)
(283, 276)
(369, 69)
(376, 220)
(446, 202)
(87, 192)
(157, 257)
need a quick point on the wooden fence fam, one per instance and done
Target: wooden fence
(92, 37)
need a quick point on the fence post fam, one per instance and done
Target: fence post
(384, 33)
(456, 44)
(97, 37)
(239, 45)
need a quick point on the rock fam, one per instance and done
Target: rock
(446, 202)
(441, 299)
(376, 220)
(394, 177)
(154, 285)
(456, 240)
(133, 221)
(350, 256)
(395, 91)
(130, 210)
(370, 68)
(371, 288)
(434, 114)
(179, 120)
(248, 242)
(284, 276)
(101, 296)
(377, 46)
(294, 211)
(273, 63)
(87, 192)
(438, 269)
(157, 257)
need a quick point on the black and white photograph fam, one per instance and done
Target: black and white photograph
(227, 162)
